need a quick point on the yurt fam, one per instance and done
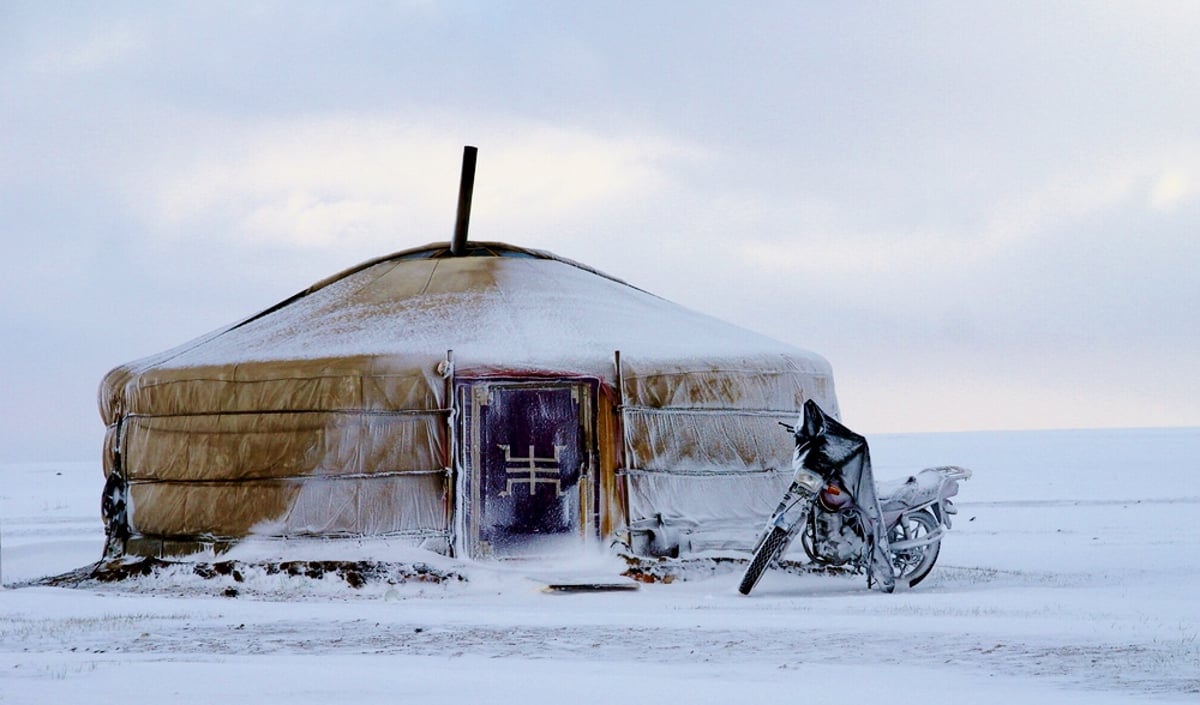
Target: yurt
(477, 399)
(494, 402)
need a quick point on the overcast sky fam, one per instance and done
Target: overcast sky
(985, 215)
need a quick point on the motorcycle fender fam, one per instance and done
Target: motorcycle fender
(942, 511)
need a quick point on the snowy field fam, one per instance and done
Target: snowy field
(1070, 577)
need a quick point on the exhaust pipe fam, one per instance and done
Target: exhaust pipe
(458, 246)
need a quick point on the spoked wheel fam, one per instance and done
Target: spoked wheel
(771, 547)
(912, 565)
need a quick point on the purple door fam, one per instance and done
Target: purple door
(528, 456)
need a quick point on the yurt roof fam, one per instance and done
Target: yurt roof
(496, 306)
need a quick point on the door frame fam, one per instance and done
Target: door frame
(472, 393)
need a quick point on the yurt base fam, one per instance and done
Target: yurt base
(231, 576)
(364, 578)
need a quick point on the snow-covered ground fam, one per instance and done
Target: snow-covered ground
(1070, 577)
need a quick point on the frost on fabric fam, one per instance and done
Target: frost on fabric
(522, 312)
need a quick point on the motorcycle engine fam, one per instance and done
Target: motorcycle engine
(834, 536)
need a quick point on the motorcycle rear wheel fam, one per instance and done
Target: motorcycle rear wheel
(913, 565)
(771, 547)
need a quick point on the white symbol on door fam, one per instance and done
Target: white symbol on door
(528, 472)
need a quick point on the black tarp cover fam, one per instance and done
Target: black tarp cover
(840, 455)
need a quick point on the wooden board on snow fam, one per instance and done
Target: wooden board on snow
(590, 586)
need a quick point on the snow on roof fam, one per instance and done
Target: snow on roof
(499, 305)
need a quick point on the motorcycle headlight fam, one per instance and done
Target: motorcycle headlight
(809, 480)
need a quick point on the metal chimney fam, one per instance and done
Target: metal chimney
(458, 246)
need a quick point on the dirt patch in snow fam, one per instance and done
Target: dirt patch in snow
(235, 576)
(669, 570)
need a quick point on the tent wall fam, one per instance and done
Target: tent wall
(411, 505)
(355, 383)
(695, 446)
(705, 455)
(276, 445)
(230, 453)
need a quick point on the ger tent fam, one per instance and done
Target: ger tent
(496, 401)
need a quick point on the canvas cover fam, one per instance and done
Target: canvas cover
(843, 457)
(331, 414)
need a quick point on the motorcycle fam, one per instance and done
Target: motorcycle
(892, 532)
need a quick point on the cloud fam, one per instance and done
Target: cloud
(313, 182)
(830, 240)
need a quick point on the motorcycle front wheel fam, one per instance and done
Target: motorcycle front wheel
(771, 547)
(912, 565)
